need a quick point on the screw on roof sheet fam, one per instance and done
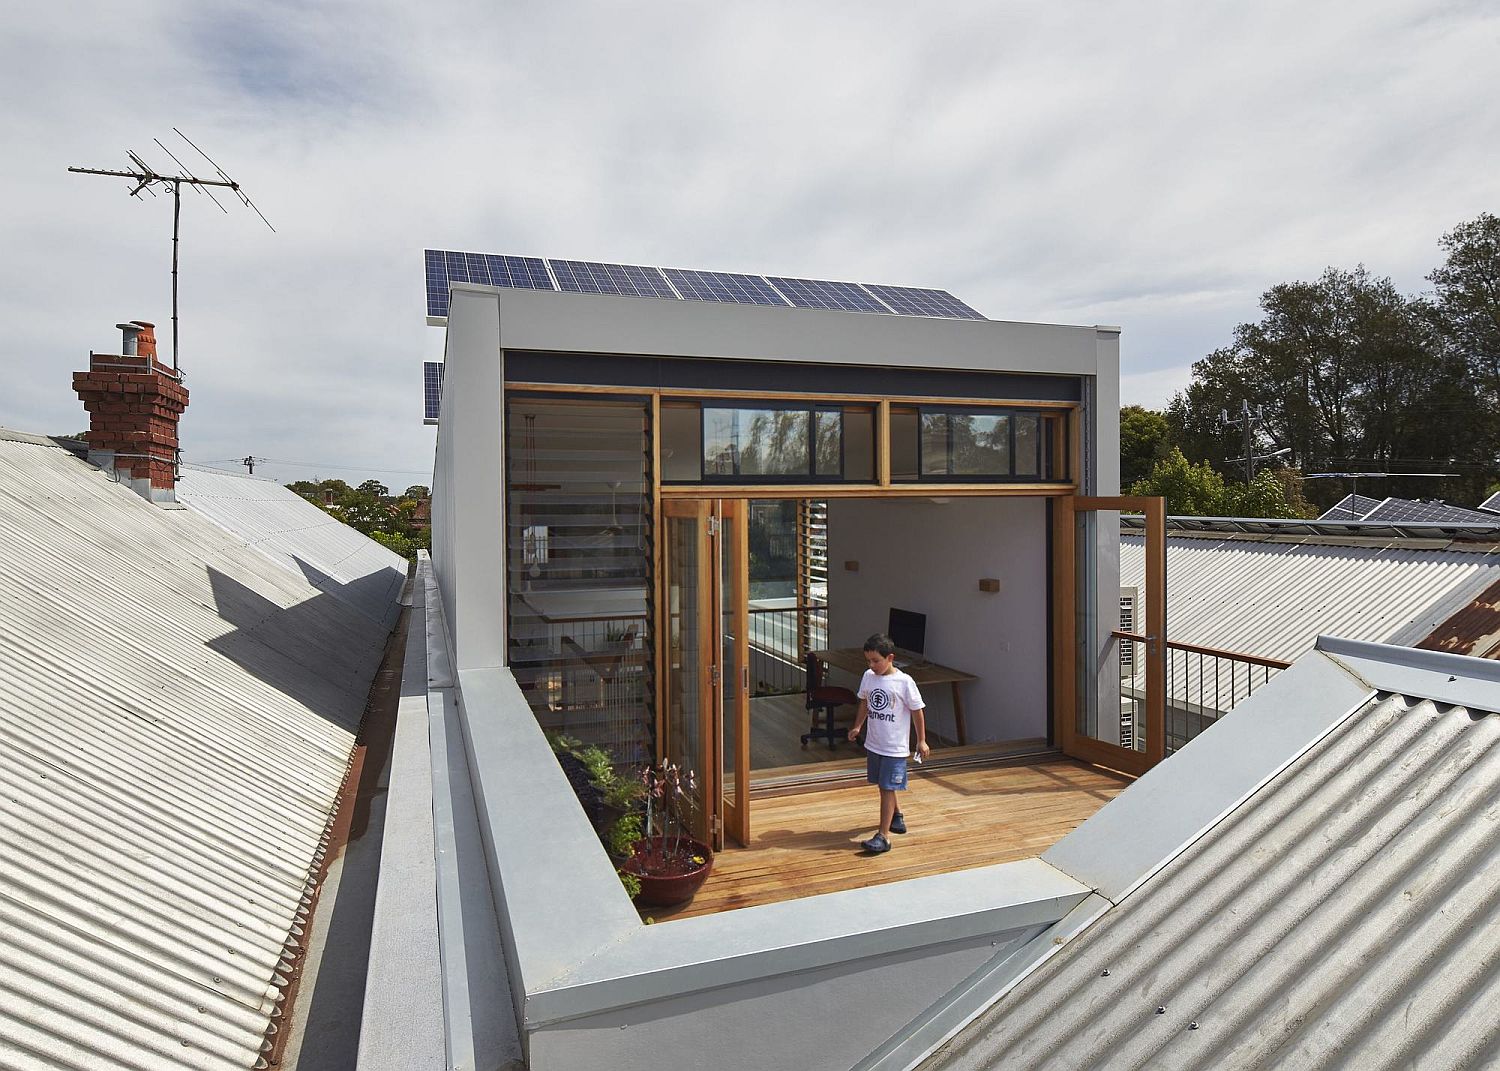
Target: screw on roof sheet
(1160, 1010)
(1193, 1025)
(1104, 973)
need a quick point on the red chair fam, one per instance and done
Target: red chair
(824, 697)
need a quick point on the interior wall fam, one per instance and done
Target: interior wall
(929, 556)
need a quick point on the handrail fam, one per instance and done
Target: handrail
(1215, 652)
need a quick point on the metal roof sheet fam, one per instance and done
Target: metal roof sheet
(281, 523)
(1273, 599)
(176, 718)
(1346, 915)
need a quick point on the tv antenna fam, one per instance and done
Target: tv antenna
(145, 177)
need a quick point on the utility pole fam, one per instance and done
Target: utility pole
(249, 463)
(1248, 421)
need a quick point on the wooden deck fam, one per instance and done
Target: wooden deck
(963, 817)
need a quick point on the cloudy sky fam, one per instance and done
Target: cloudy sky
(1154, 166)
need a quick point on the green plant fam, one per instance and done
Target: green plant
(616, 793)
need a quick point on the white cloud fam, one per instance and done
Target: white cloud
(1073, 162)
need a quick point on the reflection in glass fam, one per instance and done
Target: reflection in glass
(720, 448)
(1028, 444)
(730, 662)
(934, 444)
(773, 442)
(981, 444)
(829, 440)
(904, 433)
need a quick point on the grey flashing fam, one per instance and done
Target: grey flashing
(1460, 680)
(401, 1025)
(1172, 805)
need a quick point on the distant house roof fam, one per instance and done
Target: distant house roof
(1334, 905)
(177, 712)
(1272, 595)
(281, 523)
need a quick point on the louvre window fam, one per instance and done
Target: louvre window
(578, 529)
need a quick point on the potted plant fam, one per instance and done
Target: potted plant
(668, 861)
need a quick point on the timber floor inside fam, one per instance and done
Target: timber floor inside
(808, 843)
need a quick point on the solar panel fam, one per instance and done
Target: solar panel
(723, 286)
(627, 280)
(1350, 508)
(824, 294)
(1398, 510)
(1491, 504)
(432, 390)
(915, 301)
(444, 267)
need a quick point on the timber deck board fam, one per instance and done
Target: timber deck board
(808, 843)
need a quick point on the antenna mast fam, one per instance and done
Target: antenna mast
(145, 177)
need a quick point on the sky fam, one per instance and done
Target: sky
(1156, 167)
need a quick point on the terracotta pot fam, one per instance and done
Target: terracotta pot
(664, 890)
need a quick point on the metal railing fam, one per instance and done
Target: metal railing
(1202, 685)
(776, 649)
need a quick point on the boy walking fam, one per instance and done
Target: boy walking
(890, 702)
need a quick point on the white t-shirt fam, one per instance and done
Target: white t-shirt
(891, 700)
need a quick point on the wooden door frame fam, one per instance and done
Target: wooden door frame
(1065, 634)
(736, 814)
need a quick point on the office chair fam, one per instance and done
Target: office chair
(824, 697)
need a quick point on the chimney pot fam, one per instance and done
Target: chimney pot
(132, 332)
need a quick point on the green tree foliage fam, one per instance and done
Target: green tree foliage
(369, 508)
(1351, 375)
(416, 492)
(1145, 438)
(1197, 490)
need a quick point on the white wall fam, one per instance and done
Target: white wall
(468, 508)
(927, 556)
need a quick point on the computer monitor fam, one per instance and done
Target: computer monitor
(907, 630)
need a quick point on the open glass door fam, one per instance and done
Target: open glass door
(1109, 681)
(706, 669)
(731, 595)
(688, 656)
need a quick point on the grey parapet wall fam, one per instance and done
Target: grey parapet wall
(760, 987)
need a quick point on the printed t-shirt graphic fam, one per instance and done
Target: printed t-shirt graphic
(891, 700)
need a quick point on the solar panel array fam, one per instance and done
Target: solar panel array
(432, 390)
(1402, 510)
(444, 267)
(1491, 504)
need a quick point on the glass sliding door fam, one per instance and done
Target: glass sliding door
(689, 647)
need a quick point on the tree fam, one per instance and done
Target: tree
(1468, 297)
(1199, 491)
(416, 491)
(374, 487)
(1144, 439)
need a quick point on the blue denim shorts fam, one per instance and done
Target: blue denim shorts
(887, 771)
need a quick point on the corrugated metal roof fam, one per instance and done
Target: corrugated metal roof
(1273, 599)
(1347, 915)
(176, 717)
(281, 523)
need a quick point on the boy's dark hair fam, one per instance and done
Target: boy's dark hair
(881, 644)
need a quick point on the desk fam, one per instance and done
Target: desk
(852, 660)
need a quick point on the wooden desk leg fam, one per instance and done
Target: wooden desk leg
(958, 715)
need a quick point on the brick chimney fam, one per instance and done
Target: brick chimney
(134, 403)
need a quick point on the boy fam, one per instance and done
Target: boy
(890, 701)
